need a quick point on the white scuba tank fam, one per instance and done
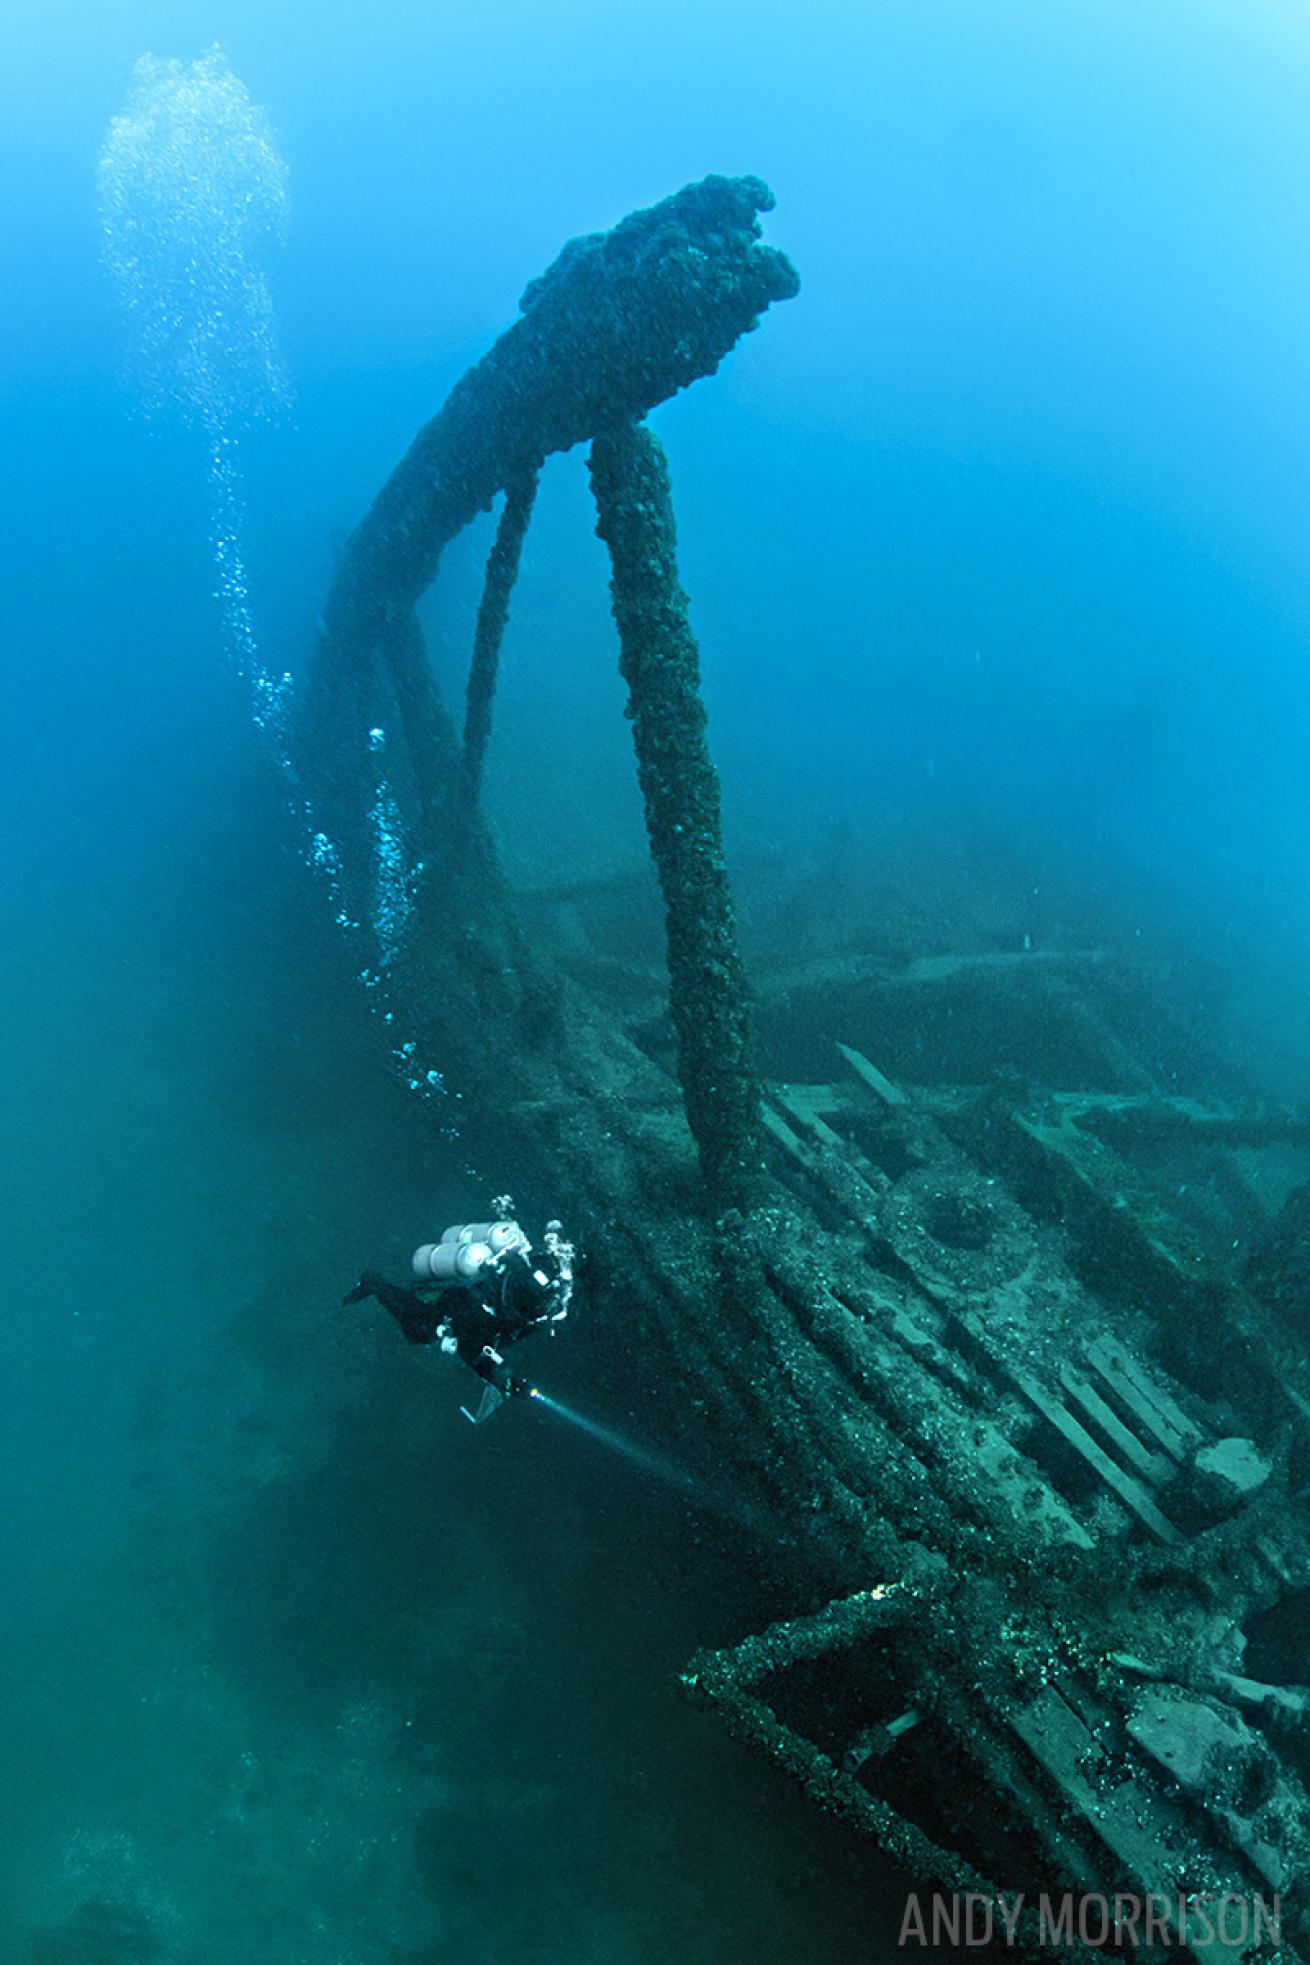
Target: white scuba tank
(451, 1262)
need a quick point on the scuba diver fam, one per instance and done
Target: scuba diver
(477, 1292)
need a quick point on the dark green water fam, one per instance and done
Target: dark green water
(298, 1667)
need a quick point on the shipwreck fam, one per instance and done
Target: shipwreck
(999, 1334)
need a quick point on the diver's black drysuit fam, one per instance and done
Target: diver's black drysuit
(505, 1305)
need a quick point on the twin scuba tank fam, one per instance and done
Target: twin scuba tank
(465, 1250)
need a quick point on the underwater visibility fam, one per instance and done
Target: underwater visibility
(658, 1079)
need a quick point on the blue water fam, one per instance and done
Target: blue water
(997, 543)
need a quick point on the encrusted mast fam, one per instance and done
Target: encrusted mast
(622, 320)
(661, 666)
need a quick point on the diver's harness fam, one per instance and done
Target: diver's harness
(473, 1255)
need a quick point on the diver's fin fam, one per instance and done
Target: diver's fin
(487, 1404)
(366, 1286)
